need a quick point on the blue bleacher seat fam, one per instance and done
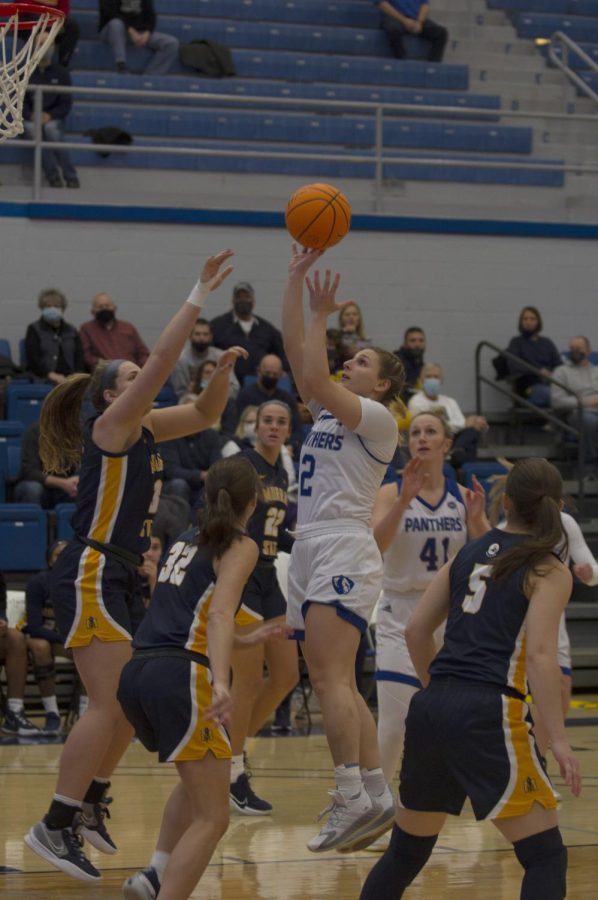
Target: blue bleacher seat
(449, 472)
(23, 537)
(165, 397)
(539, 25)
(24, 401)
(22, 354)
(64, 513)
(483, 471)
(5, 348)
(11, 432)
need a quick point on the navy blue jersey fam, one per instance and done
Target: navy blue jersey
(118, 493)
(178, 613)
(265, 524)
(484, 639)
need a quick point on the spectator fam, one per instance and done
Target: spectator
(107, 337)
(581, 376)
(56, 105)
(401, 17)
(67, 37)
(199, 349)
(13, 653)
(186, 463)
(228, 419)
(411, 354)
(241, 328)
(134, 22)
(336, 351)
(350, 323)
(148, 570)
(44, 642)
(536, 350)
(466, 430)
(34, 485)
(52, 346)
(269, 371)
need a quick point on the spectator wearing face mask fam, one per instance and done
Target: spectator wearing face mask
(107, 337)
(466, 430)
(269, 371)
(203, 375)
(200, 349)
(581, 376)
(242, 328)
(537, 350)
(52, 346)
(411, 354)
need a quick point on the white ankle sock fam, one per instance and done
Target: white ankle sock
(158, 862)
(15, 704)
(374, 781)
(348, 779)
(50, 704)
(237, 767)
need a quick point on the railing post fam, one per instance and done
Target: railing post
(379, 151)
(478, 383)
(37, 150)
(581, 447)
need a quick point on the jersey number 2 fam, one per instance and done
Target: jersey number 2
(308, 467)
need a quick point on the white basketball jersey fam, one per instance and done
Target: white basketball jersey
(426, 538)
(340, 471)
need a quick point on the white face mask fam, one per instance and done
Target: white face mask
(249, 430)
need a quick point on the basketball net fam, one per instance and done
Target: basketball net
(24, 42)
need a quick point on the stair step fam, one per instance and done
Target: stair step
(517, 451)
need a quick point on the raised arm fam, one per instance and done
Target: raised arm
(391, 504)
(339, 401)
(115, 428)
(293, 328)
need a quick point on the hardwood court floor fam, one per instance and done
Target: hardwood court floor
(266, 859)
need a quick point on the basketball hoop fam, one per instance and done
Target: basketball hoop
(26, 31)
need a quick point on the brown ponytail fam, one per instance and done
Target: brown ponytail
(60, 436)
(391, 367)
(231, 485)
(534, 487)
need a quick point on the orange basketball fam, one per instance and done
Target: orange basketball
(318, 216)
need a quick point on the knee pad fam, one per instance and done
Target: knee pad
(43, 672)
(544, 858)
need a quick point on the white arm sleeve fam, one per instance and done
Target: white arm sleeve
(578, 549)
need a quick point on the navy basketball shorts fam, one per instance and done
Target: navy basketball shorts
(164, 700)
(262, 598)
(91, 594)
(470, 740)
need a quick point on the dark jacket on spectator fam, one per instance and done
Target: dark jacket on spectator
(188, 457)
(51, 349)
(540, 352)
(2, 597)
(138, 14)
(413, 367)
(31, 464)
(56, 103)
(39, 609)
(262, 339)
(254, 395)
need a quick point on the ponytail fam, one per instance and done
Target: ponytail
(60, 437)
(534, 487)
(231, 485)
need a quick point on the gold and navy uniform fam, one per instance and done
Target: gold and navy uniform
(262, 598)
(166, 687)
(95, 577)
(469, 733)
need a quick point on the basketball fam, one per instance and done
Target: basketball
(318, 216)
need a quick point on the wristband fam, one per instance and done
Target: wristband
(202, 291)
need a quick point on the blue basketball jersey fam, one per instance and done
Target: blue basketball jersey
(178, 613)
(118, 493)
(484, 640)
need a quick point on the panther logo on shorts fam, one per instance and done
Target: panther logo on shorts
(342, 585)
(91, 623)
(529, 786)
(206, 735)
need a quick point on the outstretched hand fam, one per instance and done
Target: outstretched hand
(568, 765)
(211, 276)
(475, 500)
(322, 295)
(584, 572)
(227, 360)
(302, 260)
(268, 633)
(413, 479)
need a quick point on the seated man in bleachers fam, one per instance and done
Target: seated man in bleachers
(269, 372)
(33, 485)
(13, 655)
(52, 346)
(199, 350)
(466, 430)
(186, 463)
(401, 17)
(67, 37)
(411, 353)
(106, 337)
(580, 376)
(134, 22)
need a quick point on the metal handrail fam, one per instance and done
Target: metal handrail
(377, 109)
(547, 415)
(562, 62)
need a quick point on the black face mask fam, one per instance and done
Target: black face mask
(200, 346)
(243, 307)
(577, 356)
(269, 382)
(104, 316)
(415, 355)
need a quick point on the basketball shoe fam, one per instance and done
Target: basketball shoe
(385, 813)
(243, 800)
(18, 723)
(348, 816)
(91, 827)
(143, 885)
(62, 849)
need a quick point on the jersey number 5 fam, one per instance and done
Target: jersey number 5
(476, 588)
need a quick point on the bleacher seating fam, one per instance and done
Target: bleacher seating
(23, 537)
(64, 513)
(24, 401)
(5, 348)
